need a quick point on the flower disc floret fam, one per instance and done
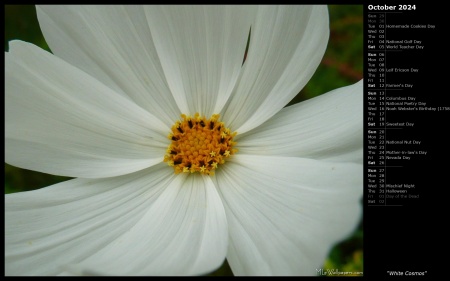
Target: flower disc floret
(199, 144)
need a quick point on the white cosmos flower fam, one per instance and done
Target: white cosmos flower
(100, 109)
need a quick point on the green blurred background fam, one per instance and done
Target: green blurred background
(342, 65)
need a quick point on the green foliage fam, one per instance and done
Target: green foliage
(21, 24)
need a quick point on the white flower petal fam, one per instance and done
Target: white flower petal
(201, 49)
(286, 46)
(113, 44)
(65, 223)
(327, 127)
(147, 223)
(60, 120)
(183, 233)
(285, 213)
(354, 155)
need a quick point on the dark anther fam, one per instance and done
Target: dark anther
(190, 124)
(222, 140)
(189, 165)
(174, 138)
(173, 152)
(202, 163)
(180, 130)
(218, 128)
(177, 162)
(202, 123)
(211, 125)
(210, 162)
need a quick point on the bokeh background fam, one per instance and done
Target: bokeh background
(342, 65)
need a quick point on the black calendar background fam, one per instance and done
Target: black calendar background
(404, 237)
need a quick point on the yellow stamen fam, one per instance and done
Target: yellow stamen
(199, 144)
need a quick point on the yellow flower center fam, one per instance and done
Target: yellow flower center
(199, 144)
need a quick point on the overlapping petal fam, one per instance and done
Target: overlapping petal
(60, 120)
(138, 224)
(201, 49)
(286, 46)
(114, 45)
(285, 213)
(327, 127)
(70, 221)
(186, 56)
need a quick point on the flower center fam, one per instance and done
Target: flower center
(199, 144)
